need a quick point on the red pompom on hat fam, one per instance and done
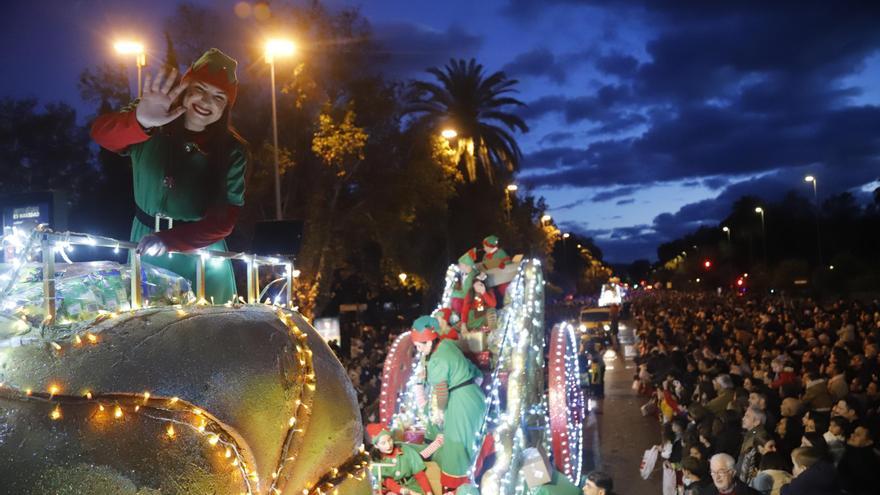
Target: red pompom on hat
(217, 69)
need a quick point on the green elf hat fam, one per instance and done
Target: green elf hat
(376, 430)
(490, 241)
(217, 69)
(424, 329)
(469, 258)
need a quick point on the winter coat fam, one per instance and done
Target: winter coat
(818, 479)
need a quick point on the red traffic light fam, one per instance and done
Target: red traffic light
(707, 264)
(739, 282)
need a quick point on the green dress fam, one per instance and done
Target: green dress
(407, 463)
(187, 199)
(464, 411)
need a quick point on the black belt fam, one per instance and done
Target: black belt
(463, 384)
(154, 222)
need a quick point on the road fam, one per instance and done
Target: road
(616, 434)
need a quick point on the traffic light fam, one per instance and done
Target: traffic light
(707, 264)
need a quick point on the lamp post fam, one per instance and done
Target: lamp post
(449, 133)
(545, 219)
(276, 48)
(726, 230)
(511, 188)
(136, 49)
(760, 211)
(815, 182)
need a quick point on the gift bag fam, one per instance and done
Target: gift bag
(649, 460)
(669, 480)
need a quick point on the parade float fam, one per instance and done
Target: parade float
(535, 406)
(123, 379)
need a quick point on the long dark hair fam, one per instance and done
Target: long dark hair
(221, 138)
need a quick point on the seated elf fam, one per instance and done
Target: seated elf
(405, 470)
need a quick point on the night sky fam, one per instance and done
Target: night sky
(648, 118)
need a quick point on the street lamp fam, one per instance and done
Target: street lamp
(136, 49)
(449, 133)
(566, 235)
(545, 219)
(277, 48)
(402, 278)
(760, 211)
(815, 182)
(726, 230)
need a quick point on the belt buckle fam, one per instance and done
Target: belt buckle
(158, 224)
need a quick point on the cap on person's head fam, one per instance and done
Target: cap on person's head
(376, 431)
(601, 479)
(217, 69)
(424, 329)
(469, 258)
(490, 241)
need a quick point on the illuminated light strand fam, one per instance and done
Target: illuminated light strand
(356, 467)
(214, 432)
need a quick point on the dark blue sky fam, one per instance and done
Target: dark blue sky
(648, 118)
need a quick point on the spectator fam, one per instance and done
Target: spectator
(724, 388)
(812, 474)
(772, 475)
(695, 476)
(859, 466)
(724, 481)
(598, 483)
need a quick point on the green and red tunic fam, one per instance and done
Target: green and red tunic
(174, 176)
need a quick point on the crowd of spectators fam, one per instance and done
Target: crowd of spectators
(363, 363)
(762, 395)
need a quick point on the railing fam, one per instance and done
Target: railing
(52, 242)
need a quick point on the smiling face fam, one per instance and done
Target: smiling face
(204, 104)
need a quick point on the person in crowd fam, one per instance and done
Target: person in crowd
(773, 474)
(722, 468)
(188, 165)
(695, 476)
(859, 466)
(598, 483)
(812, 474)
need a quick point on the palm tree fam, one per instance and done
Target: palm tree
(474, 105)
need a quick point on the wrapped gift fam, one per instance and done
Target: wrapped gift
(498, 276)
(535, 468)
(414, 435)
(474, 341)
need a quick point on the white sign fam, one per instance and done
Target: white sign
(328, 328)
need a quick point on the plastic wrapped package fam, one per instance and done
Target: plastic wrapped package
(83, 290)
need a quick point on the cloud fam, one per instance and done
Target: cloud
(539, 62)
(614, 193)
(556, 137)
(407, 49)
(625, 201)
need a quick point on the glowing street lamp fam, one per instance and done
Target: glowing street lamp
(512, 187)
(815, 182)
(137, 49)
(566, 235)
(277, 48)
(545, 219)
(449, 133)
(726, 230)
(760, 211)
(402, 277)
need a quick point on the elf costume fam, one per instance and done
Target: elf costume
(408, 469)
(467, 263)
(477, 309)
(189, 183)
(463, 404)
(447, 321)
(494, 256)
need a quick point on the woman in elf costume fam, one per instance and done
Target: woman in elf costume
(188, 164)
(406, 473)
(494, 256)
(460, 401)
(467, 264)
